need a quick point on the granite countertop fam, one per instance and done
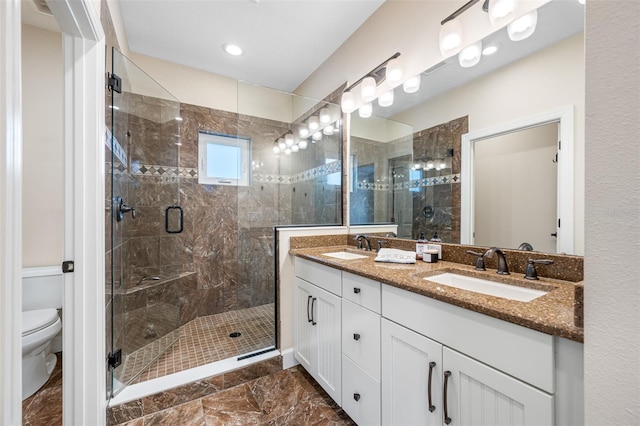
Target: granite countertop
(554, 313)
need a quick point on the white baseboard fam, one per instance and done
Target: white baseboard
(288, 360)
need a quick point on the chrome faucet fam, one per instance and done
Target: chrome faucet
(525, 246)
(367, 242)
(503, 268)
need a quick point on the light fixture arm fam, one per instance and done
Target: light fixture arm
(454, 15)
(373, 72)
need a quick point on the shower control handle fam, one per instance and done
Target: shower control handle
(121, 208)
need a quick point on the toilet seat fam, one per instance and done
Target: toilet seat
(36, 320)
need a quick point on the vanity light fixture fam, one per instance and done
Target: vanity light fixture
(316, 136)
(325, 116)
(295, 148)
(412, 84)
(524, 26)
(470, 55)
(313, 123)
(450, 37)
(289, 140)
(348, 102)
(386, 99)
(232, 49)
(393, 71)
(389, 70)
(281, 144)
(287, 151)
(365, 110)
(368, 89)
(276, 148)
(303, 144)
(501, 11)
(328, 130)
(303, 131)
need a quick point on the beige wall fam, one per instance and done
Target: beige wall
(612, 255)
(515, 189)
(42, 196)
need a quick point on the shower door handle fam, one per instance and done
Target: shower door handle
(180, 220)
(121, 208)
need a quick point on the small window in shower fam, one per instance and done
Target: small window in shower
(224, 159)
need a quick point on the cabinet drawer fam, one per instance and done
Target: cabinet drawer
(519, 351)
(360, 290)
(323, 276)
(361, 337)
(360, 394)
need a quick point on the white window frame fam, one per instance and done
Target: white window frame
(207, 138)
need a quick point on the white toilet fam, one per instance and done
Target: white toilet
(41, 325)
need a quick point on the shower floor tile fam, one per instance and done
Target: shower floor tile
(205, 340)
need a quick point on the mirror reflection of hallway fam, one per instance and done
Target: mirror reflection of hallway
(515, 188)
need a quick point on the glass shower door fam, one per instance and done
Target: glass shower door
(147, 255)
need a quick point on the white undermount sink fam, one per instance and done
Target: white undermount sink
(490, 288)
(344, 255)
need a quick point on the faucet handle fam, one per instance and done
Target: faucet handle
(479, 260)
(531, 273)
(380, 243)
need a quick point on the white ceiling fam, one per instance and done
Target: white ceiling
(284, 41)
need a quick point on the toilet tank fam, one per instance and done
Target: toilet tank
(42, 287)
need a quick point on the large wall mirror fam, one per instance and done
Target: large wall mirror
(517, 182)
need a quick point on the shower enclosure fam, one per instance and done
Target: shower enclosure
(190, 251)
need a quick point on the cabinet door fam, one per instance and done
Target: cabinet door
(304, 332)
(326, 315)
(406, 364)
(479, 394)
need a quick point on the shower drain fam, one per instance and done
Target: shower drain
(235, 334)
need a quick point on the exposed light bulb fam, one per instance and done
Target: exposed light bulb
(325, 116)
(523, 27)
(368, 89)
(313, 123)
(316, 136)
(386, 99)
(348, 102)
(412, 84)
(450, 38)
(393, 71)
(470, 55)
(289, 140)
(303, 144)
(365, 110)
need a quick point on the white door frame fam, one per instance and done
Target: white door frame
(563, 115)
(11, 214)
(84, 390)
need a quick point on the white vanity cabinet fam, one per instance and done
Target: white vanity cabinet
(317, 324)
(392, 357)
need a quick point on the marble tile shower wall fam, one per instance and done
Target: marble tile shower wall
(439, 190)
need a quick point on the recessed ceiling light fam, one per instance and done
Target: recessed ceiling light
(490, 50)
(232, 49)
